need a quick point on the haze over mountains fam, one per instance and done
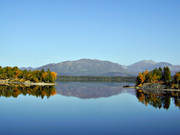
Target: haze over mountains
(94, 67)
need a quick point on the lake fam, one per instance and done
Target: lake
(87, 108)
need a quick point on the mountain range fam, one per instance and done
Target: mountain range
(94, 67)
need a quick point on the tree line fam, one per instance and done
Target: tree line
(14, 73)
(96, 79)
(159, 75)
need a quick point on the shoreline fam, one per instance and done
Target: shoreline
(144, 87)
(26, 83)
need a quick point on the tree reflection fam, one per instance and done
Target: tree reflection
(37, 91)
(158, 99)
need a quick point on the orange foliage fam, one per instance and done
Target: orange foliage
(54, 75)
(177, 77)
(142, 76)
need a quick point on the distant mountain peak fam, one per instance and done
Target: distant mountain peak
(147, 62)
(164, 64)
(95, 67)
(86, 67)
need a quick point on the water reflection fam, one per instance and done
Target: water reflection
(37, 91)
(86, 90)
(158, 99)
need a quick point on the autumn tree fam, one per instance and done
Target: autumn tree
(15, 73)
(54, 76)
(177, 77)
(141, 78)
(155, 76)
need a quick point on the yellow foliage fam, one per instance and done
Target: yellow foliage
(155, 78)
(18, 72)
(145, 72)
(142, 76)
(54, 75)
(44, 75)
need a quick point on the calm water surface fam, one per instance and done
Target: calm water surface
(76, 108)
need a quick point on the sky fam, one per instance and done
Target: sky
(38, 32)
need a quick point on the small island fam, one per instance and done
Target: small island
(14, 75)
(158, 79)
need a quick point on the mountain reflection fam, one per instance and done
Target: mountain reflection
(37, 91)
(86, 90)
(158, 99)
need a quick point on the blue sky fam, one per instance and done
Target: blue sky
(37, 32)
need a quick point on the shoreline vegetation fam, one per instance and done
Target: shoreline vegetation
(96, 79)
(158, 79)
(16, 76)
(26, 83)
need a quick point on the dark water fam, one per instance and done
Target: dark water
(76, 108)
